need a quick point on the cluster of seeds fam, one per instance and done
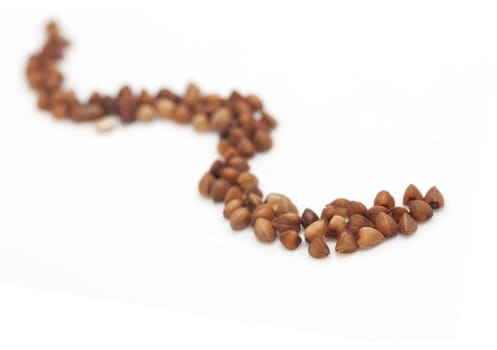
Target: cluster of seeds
(244, 129)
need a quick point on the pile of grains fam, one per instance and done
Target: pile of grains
(244, 129)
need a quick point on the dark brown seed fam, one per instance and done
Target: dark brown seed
(420, 210)
(288, 221)
(231, 206)
(233, 193)
(240, 219)
(385, 199)
(219, 189)
(397, 213)
(205, 184)
(375, 210)
(369, 237)
(336, 226)
(247, 180)
(264, 211)
(290, 239)
(328, 212)
(316, 229)
(216, 168)
(412, 193)
(264, 230)
(308, 217)
(357, 208)
(346, 243)
(407, 225)
(356, 222)
(386, 225)
(434, 198)
(341, 206)
(318, 248)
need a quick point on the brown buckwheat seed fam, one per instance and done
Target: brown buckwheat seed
(264, 230)
(231, 206)
(308, 217)
(346, 243)
(287, 221)
(316, 229)
(385, 199)
(240, 218)
(290, 239)
(420, 210)
(369, 237)
(412, 193)
(386, 225)
(434, 198)
(318, 248)
(336, 226)
(407, 225)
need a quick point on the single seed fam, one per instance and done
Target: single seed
(318, 248)
(239, 163)
(290, 239)
(264, 230)
(254, 102)
(281, 204)
(316, 229)
(397, 213)
(216, 168)
(235, 134)
(233, 193)
(182, 114)
(247, 180)
(200, 122)
(356, 222)
(253, 200)
(269, 120)
(420, 210)
(262, 141)
(375, 210)
(341, 206)
(434, 198)
(336, 226)
(369, 237)
(105, 124)
(245, 147)
(412, 193)
(145, 113)
(386, 225)
(264, 211)
(219, 189)
(328, 212)
(205, 184)
(288, 221)
(240, 218)
(308, 217)
(385, 199)
(165, 107)
(357, 208)
(230, 174)
(221, 119)
(231, 206)
(407, 225)
(346, 243)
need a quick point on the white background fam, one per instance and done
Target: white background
(369, 97)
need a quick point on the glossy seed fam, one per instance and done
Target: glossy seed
(308, 217)
(386, 225)
(434, 198)
(316, 229)
(318, 248)
(240, 218)
(336, 226)
(264, 230)
(420, 210)
(407, 225)
(231, 206)
(385, 199)
(346, 243)
(369, 237)
(290, 239)
(411, 193)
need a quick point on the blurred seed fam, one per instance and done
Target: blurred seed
(412, 193)
(245, 147)
(386, 225)
(145, 113)
(434, 198)
(219, 189)
(205, 184)
(230, 174)
(233, 193)
(200, 122)
(165, 107)
(290, 239)
(247, 180)
(253, 200)
(105, 124)
(328, 212)
(318, 248)
(239, 163)
(420, 210)
(221, 119)
(262, 141)
(240, 219)
(369, 237)
(231, 206)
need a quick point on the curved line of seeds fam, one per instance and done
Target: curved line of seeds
(244, 128)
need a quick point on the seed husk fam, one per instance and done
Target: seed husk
(397, 213)
(346, 243)
(264, 211)
(290, 239)
(308, 217)
(434, 198)
(316, 229)
(287, 221)
(264, 230)
(420, 210)
(205, 184)
(386, 225)
(341, 206)
(240, 218)
(233, 193)
(356, 207)
(336, 226)
(407, 225)
(219, 189)
(411, 193)
(357, 221)
(369, 237)
(231, 206)
(385, 199)
(318, 248)
(375, 210)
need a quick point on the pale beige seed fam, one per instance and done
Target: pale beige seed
(165, 107)
(105, 124)
(145, 113)
(200, 122)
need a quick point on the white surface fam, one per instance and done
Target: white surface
(368, 98)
